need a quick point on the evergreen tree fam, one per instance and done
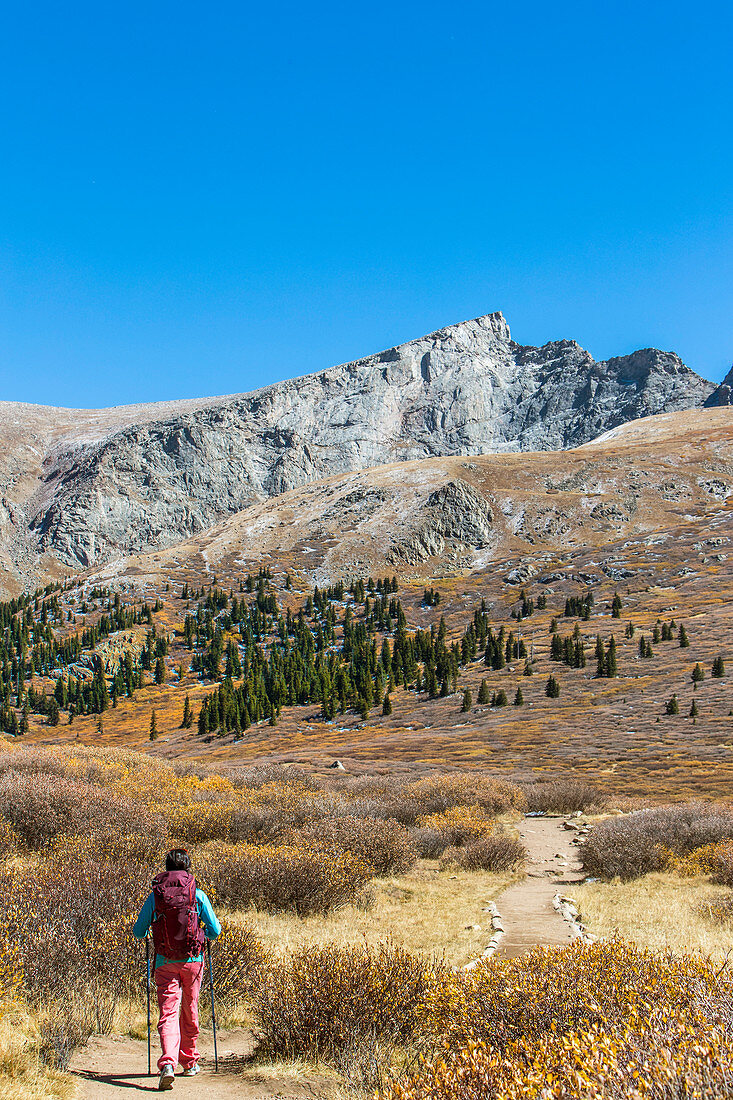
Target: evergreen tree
(694, 711)
(697, 674)
(552, 688)
(673, 706)
(518, 698)
(61, 693)
(467, 701)
(483, 693)
(718, 668)
(600, 657)
(187, 720)
(501, 699)
(610, 663)
(153, 726)
(684, 640)
(616, 606)
(386, 705)
(160, 671)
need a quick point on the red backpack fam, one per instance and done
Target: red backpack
(177, 933)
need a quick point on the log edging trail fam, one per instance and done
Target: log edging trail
(533, 912)
(497, 929)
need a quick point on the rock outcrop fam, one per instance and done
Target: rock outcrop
(455, 515)
(120, 481)
(723, 394)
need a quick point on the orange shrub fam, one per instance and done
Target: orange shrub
(562, 796)
(434, 794)
(240, 964)
(570, 988)
(348, 1005)
(497, 853)
(384, 845)
(666, 1058)
(650, 840)
(717, 860)
(39, 806)
(8, 838)
(602, 1022)
(69, 928)
(281, 878)
(459, 825)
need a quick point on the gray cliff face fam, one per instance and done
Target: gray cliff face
(468, 389)
(723, 395)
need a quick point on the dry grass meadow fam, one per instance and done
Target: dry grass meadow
(427, 911)
(661, 911)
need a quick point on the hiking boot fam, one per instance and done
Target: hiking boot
(166, 1079)
(191, 1071)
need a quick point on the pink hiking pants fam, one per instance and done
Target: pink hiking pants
(178, 985)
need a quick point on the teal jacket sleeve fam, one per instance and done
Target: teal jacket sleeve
(212, 928)
(141, 927)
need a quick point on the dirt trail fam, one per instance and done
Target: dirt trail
(526, 909)
(112, 1066)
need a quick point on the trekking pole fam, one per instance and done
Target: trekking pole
(147, 966)
(213, 1009)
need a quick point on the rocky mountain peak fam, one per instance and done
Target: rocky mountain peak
(493, 325)
(98, 485)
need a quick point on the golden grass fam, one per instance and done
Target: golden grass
(658, 911)
(22, 1076)
(426, 910)
(314, 1080)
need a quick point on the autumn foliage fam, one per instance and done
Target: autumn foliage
(600, 1021)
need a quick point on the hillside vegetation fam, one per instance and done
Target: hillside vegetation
(91, 825)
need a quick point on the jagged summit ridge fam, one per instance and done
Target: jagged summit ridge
(119, 481)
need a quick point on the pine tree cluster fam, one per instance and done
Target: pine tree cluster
(579, 606)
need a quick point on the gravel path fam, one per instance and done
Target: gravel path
(526, 908)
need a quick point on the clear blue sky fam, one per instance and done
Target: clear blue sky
(204, 198)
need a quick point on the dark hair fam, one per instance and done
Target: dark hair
(178, 860)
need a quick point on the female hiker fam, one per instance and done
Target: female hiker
(182, 919)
